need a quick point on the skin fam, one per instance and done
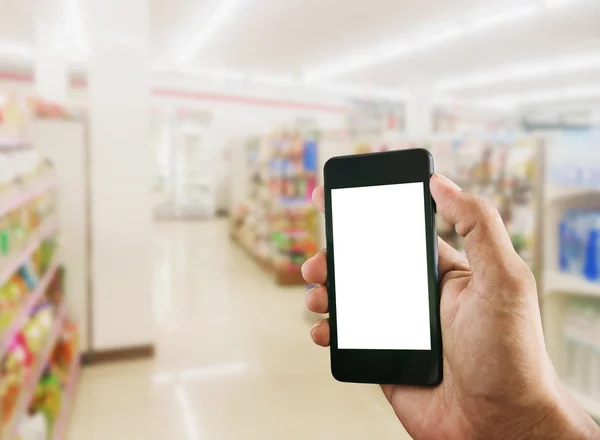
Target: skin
(498, 381)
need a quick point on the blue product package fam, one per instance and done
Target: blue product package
(569, 242)
(563, 237)
(29, 276)
(310, 156)
(591, 269)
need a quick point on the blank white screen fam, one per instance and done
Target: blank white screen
(380, 257)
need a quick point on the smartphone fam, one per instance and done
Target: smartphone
(384, 300)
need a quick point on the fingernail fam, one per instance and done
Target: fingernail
(303, 268)
(315, 325)
(447, 181)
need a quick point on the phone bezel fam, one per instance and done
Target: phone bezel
(409, 367)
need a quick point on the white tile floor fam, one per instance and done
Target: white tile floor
(234, 360)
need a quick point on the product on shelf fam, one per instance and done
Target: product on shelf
(579, 243)
(278, 224)
(27, 208)
(33, 427)
(24, 281)
(574, 159)
(581, 329)
(49, 397)
(500, 170)
(23, 354)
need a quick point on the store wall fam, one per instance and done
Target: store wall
(238, 107)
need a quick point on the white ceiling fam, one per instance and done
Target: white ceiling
(290, 37)
(16, 21)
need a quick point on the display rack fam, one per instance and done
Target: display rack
(277, 224)
(47, 230)
(501, 169)
(33, 306)
(11, 429)
(570, 294)
(23, 197)
(25, 311)
(195, 182)
(61, 424)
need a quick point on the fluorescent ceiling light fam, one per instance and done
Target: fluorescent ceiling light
(280, 80)
(206, 31)
(76, 31)
(217, 74)
(16, 50)
(560, 3)
(359, 61)
(539, 96)
(366, 91)
(540, 69)
(422, 41)
(436, 36)
(579, 63)
(502, 18)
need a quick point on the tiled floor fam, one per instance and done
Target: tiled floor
(234, 360)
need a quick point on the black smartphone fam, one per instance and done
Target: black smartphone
(384, 301)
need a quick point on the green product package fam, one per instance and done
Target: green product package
(4, 242)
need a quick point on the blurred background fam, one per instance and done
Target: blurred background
(156, 164)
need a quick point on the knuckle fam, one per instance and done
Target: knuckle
(483, 208)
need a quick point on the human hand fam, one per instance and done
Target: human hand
(498, 381)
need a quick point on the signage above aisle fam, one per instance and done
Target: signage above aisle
(374, 117)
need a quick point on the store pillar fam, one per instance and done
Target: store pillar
(121, 171)
(50, 65)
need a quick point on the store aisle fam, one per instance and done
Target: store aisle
(234, 359)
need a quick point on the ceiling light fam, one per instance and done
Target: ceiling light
(434, 37)
(359, 61)
(206, 31)
(213, 73)
(75, 28)
(502, 18)
(16, 50)
(521, 72)
(581, 92)
(423, 40)
(540, 96)
(276, 80)
(559, 3)
(573, 64)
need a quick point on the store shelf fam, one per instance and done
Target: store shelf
(591, 405)
(48, 229)
(559, 282)
(61, 424)
(561, 193)
(23, 314)
(14, 144)
(25, 197)
(11, 430)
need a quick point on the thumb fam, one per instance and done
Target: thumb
(487, 243)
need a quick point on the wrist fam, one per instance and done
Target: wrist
(567, 421)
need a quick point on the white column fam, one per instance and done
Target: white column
(121, 168)
(419, 111)
(50, 65)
